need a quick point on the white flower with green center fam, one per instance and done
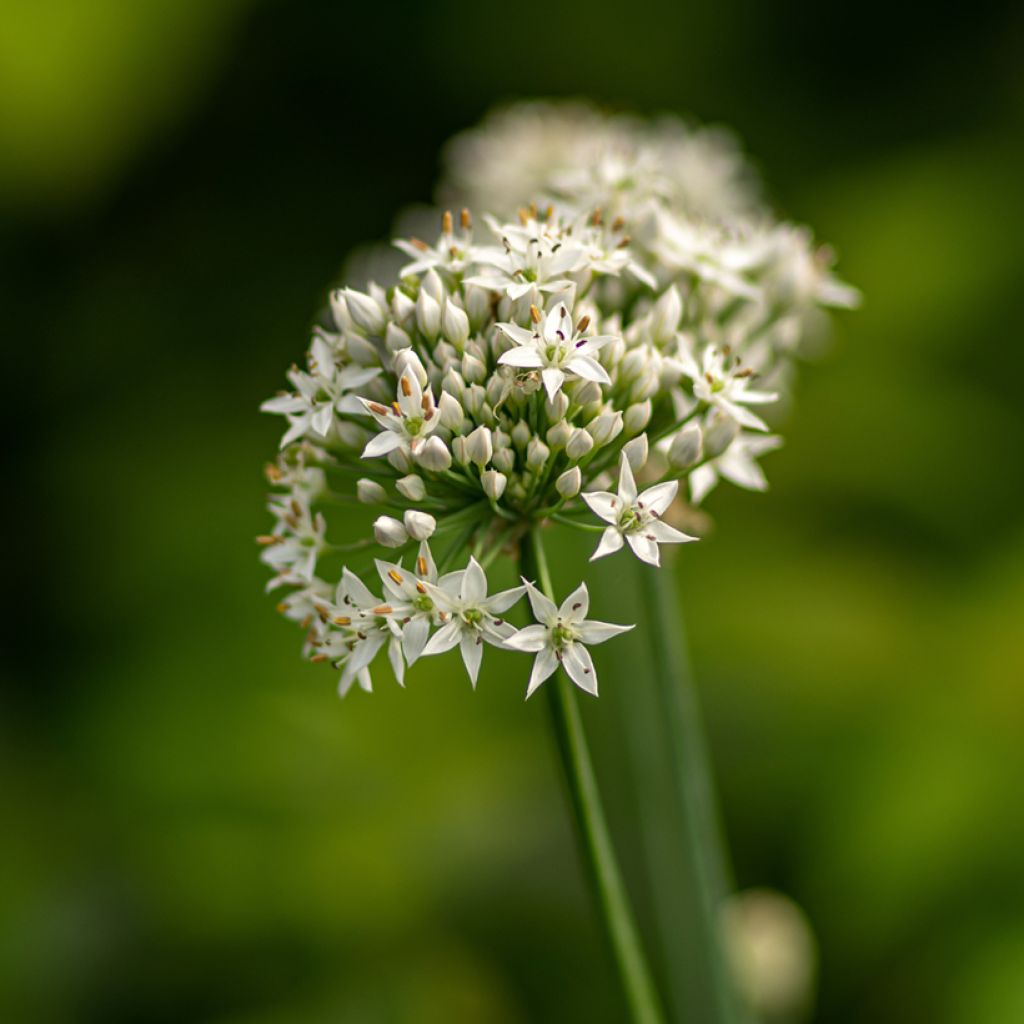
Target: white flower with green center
(297, 541)
(534, 255)
(452, 253)
(471, 618)
(737, 464)
(559, 637)
(411, 418)
(722, 381)
(635, 518)
(366, 625)
(409, 595)
(556, 348)
(320, 394)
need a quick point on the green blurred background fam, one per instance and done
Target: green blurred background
(194, 828)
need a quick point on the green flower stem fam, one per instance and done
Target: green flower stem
(690, 880)
(585, 796)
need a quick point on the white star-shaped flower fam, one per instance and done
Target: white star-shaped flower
(737, 464)
(559, 636)
(635, 518)
(556, 348)
(407, 423)
(319, 394)
(471, 617)
(725, 385)
(365, 624)
(535, 255)
(409, 596)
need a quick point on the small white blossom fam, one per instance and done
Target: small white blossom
(471, 617)
(559, 638)
(406, 423)
(635, 518)
(556, 348)
(725, 384)
(737, 464)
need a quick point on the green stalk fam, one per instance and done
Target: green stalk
(609, 889)
(688, 864)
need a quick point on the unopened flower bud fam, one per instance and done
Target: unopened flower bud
(637, 417)
(450, 411)
(366, 313)
(454, 324)
(719, 433)
(400, 460)
(665, 316)
(473, 370)
(339, 311)
(636, 452)
(558, 436)
(685, 450)
(494, 483)
(403, 309)
(569, 483)
(369, 492)
(588, 393)
(395, 339)
(479, 447)
(558, 406)
(605, 428)
(428, 314)
(478, 305)
(419, 525)
(537, 453)
(459, 450)
(389, 532)
(434, 455)
(473, 399)
(411, 487)
(579, 444)
(504, 459)
(408, 361)
(432, 285)
(520, 433)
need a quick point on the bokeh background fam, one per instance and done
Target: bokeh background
(193, 827)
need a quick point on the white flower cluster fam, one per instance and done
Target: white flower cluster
(633, 327)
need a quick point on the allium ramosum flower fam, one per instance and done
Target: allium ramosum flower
(620, 320)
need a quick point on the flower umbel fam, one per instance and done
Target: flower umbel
(630, 305)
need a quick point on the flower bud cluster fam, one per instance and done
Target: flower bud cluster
(512, 376)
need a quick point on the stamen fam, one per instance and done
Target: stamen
(406, 386)
(421, 565)
(583, 324)
(535, 314)
(382, 609)
(380, 410)
(341, 620)
(465, 219)
(419, 244)
(446, 223)
(394, 576)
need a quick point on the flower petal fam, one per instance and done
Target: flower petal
(575, 607)
(444, 639)
(611, 541)
(474, 584)
(544, 609)
(644, 547)
(529, 638)
(603, 504)
(544, 666)
(580, 666)
(472, 647)
(594, 632)
(658, 498)
(525, 356)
